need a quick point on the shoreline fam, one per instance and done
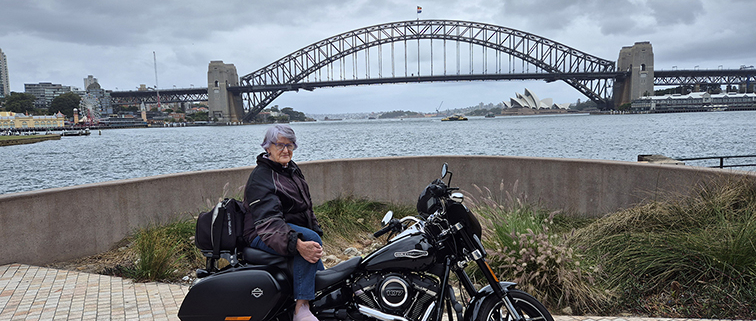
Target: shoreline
(30, 139)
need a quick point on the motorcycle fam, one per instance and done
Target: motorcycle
(408, 279)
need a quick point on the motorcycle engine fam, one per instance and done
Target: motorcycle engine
(407, 295)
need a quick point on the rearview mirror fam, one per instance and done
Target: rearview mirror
(387, 218)
(444, 170)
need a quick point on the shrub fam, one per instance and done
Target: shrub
(163, 251)
(523, 249)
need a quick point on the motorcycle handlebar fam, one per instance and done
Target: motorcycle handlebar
(387, 228)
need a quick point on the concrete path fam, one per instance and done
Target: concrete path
(36, 293)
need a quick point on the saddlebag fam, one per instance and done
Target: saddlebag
(252, 293)
(221, 229)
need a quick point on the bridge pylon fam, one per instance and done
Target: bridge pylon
(224, 105)
(638, 60)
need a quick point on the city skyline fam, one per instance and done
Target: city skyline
(114, 42)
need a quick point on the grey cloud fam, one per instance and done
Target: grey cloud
(128, 22)
(674, 12)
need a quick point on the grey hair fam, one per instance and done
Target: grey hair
(284, 131)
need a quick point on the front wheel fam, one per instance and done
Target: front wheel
(527, 306)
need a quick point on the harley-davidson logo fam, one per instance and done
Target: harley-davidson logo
(412, 254)
(257, 292)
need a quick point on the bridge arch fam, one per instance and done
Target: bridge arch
(559, 61)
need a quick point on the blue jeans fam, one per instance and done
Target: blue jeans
(302, 271)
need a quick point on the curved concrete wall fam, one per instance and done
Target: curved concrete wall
(45, 226)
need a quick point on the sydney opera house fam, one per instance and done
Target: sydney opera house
(530, 100)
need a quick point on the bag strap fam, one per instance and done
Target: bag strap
(215, 235)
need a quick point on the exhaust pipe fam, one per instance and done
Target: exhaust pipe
(373, 313)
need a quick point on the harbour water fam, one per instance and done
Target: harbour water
(129, 153)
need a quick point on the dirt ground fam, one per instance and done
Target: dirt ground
(123, 254)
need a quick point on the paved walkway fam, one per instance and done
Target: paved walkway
(36, 293)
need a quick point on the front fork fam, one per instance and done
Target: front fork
(495, 288)
(501, 292)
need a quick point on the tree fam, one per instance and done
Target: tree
(293, 114)
(198, 116)
(65, 104)
(129, 108)
(19, 102)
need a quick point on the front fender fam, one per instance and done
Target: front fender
(473, 309)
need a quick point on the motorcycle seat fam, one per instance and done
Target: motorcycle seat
(259, 257)
(328, 277)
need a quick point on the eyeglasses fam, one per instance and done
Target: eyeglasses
(281, 147)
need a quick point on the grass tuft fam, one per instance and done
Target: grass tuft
(523, 248)
(346, 217)
(164, 252)
(689, 256)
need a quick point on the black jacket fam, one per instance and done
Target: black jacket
(274, 196)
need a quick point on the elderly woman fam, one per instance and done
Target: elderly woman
(279, 217)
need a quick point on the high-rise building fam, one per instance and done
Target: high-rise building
(46, 92)
(4, 83)
(95, 99)
(88, 81)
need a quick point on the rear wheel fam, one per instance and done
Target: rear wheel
(527, 306)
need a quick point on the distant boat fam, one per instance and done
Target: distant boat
(454, 118)
(332, 119)
(81, 132)
(490, 115)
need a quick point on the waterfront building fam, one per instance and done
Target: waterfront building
(46, 92)
(4, 83)
(696, 101)
(194, 110)
(530, 100)
(9, 120)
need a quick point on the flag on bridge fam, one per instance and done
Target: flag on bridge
(419, 9)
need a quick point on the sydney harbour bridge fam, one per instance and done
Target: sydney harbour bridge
(418, 51)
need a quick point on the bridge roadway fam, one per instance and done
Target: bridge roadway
(661, 78)
(200, 94)
(30, 292)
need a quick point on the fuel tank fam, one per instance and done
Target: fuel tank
(412, 252)
(257, 292)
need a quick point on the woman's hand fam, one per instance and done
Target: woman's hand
(311, 251)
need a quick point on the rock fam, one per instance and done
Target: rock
(567, 311)
(351, 251)
(331, 259)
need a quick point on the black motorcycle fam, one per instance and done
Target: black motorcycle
(408, 279)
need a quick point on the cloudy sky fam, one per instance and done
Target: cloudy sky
(63, 41)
